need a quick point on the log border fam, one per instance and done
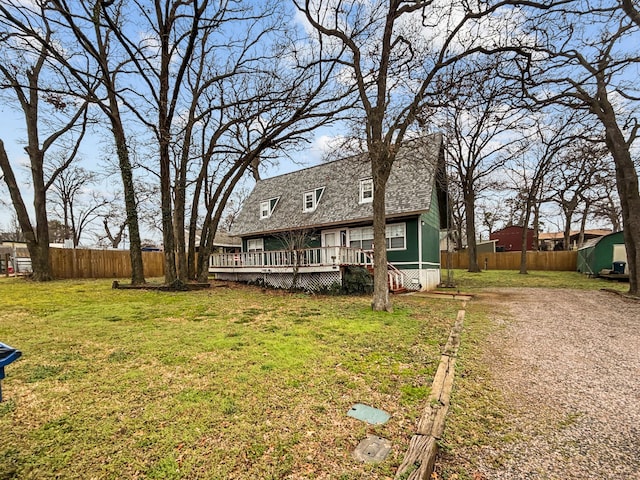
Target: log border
(420, 458)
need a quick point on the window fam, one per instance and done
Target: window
(396, 235)
(255, 245)
(267, 207)
(363, 237)
(311, 199)
(366, 190)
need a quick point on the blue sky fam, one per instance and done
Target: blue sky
(13, 132)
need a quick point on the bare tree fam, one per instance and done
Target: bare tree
(484, 129)
(583, 166)
(96, 75)
(530, 171)
(73, 203)
(31, 76)
(586, 65)
(491, 213)
(113, 236)
(295, 242)
(608, 207)
(394, 52)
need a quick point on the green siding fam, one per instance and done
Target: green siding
(600, 256)
(410, 254)
(431, 232)
(429, 223)
(274, 242)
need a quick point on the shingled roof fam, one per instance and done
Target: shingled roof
(409, 191)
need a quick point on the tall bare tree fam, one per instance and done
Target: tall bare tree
(96, 75)
(394, 52)
(31, 77)
(589, 63)
(530, 171)
(484, 129)
(72, 201)
(584, 165)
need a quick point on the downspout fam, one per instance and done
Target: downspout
(420, 251)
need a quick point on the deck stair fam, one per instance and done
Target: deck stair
(395, 278)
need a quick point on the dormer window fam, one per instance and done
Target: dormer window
(366, 190)
(311, 199)
(267, 207)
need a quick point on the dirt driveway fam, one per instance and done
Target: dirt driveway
(568, 362)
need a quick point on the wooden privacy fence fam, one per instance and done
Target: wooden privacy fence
(562, 260)
(85, 263)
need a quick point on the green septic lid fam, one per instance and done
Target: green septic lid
(368, 414)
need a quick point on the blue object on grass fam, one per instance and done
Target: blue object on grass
(7, 355)
(368, 414)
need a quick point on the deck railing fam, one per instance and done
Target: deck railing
(308, 257)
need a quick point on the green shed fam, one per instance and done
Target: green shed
(600, 253)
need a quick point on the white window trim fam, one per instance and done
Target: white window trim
(365, 182)
(315, 199)
(258, 241)
(313, 202)
(404, 236)
(266, 209)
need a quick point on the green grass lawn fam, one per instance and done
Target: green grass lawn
(224, 383)
(469, 282)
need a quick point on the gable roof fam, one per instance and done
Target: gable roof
(409, 191)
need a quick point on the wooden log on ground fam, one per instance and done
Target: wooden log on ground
(420, 458)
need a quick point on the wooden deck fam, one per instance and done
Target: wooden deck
(309, 260)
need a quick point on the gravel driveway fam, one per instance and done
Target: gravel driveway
(568, 362)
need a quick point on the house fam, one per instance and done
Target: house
(555, 240)
(14, 258)
(314, 225)
(225, 243)
(601, 253)
(509, 239)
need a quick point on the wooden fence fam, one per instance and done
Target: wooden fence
(562, 260)
(85, 263)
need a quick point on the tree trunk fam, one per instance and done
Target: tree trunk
(566, 234)
(210, 222)
(380, 169)
(164, 132)
(536, 227)
(179, 212)
(40, 264)
(39, 255)
(525, 234)
(583, 224)
(627, 184)
(472, 248)
(126, 173)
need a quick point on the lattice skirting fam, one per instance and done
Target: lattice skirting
(411, 279)
(307, 281)
(414, 279)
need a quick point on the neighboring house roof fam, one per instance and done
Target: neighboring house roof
(222, 239)
(510, 229)
(560, 235)
(409, 191)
